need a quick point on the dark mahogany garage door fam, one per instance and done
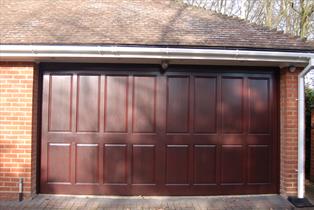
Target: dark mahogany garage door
(136, 131)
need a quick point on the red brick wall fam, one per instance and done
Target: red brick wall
(16, 95)
(288, 131)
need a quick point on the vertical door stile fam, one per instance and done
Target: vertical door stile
(219, 130)
(74, 127)
(161, 128)
(274, 106)
(45, 124)
(129, 108)
(191, 130)
(245, 99)
(101, 144)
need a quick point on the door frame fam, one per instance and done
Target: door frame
(49, 67)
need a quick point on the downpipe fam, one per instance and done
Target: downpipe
(21, 189)
(301, 128)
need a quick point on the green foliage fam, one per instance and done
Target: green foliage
(309, 99)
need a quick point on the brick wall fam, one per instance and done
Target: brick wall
(16, 98)
(288, 131)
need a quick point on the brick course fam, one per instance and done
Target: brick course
(16, 102)
(288, 131)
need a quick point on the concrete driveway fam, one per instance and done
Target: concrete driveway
(167, 203)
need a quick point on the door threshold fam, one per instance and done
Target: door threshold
(154, 196)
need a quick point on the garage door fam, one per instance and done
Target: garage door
(136, 131)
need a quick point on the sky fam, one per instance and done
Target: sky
(309, 79)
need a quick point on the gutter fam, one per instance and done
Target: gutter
(41, 52)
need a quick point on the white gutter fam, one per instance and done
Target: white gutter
(301, 127)
(38, 52)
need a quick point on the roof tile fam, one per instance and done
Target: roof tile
(132, 22)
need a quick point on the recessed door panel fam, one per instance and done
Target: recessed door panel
(59, 162)
(87, 163)
(177, 164)
(232, 104)
(144, 164)
(232, 163)
(259, 108)
(259, 165)
(88, 99)
(178, 104)
(205, 164)
(115, 164)
(144, 104)
(60, 103)
(205, 105)
(116, 104)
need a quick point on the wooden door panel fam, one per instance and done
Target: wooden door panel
(144, 165)
(59, 153)
(232, 164)
(115, 164)
(259, 107)
(232, 104)
(177, 164)
(87, 163)
(88, 98)
(146, 133)
(259, 169)
(205, 164)
(144, 104)
(116, 110)
(60, 103)
(178, 89)
(205, 104)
